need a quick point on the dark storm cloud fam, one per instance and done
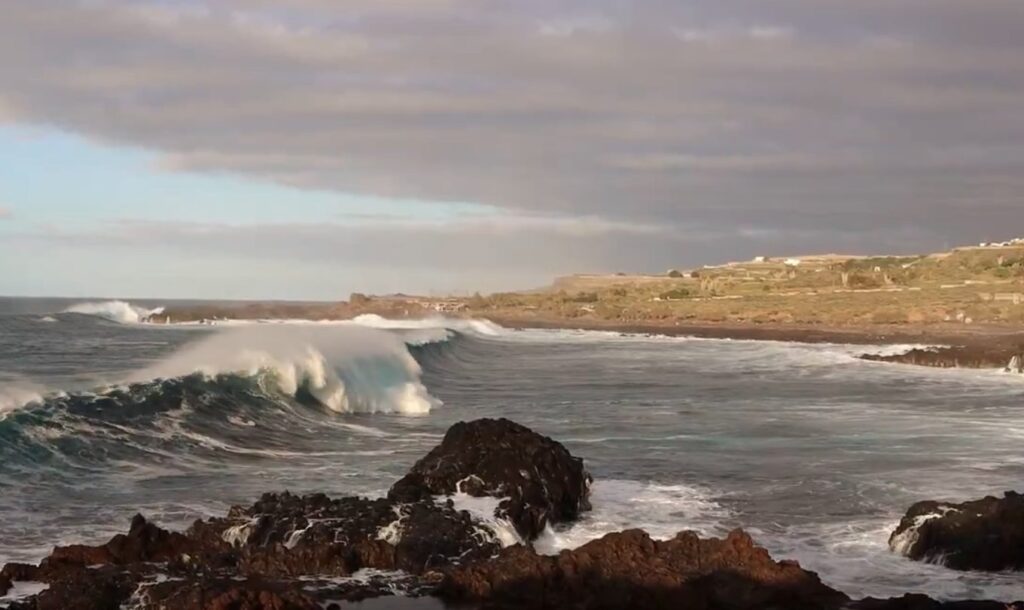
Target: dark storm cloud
(761, 126)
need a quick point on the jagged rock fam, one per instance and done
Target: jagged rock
(144, 542)
(289, 535)
(1004, 357)
(285, 552)
(986, 534)
(630, 570)
(215, 593)
(539, 481)
(81, 588)
(227, 594)
(923, 602)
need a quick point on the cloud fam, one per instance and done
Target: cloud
(805, 117)
(6, 213)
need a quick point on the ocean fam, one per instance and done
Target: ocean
(814, 452)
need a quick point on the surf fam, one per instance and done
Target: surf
(346, 369)
(122, 312)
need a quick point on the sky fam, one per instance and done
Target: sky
(306, 149)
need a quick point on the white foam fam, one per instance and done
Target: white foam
(903, 542)
(495, 529)
(347, 369)
(17, 394)
(392, 532)
(854, 556)
(661, 510)
(116, 311)
(476, 326)
(238, 535)
(22, 589)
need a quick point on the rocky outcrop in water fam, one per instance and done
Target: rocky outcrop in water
(1006, 357)
(539, 481)
(630, 570)
(986, 534)
(289, 552)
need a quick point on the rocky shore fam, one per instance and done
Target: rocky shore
(963, 346)
(986, 534)
(287, 552)
(1006, 356)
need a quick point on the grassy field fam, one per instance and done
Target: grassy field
(967, 285)
(965, 288)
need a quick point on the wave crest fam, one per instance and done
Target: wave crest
(345, 368)
(115, 311)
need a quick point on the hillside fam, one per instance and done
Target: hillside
(968, 289)
(975, 285)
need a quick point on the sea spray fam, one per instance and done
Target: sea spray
(345, 368)
(115, 311)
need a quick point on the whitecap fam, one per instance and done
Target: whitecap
(346, 369)
(661, 510)
(116, 311)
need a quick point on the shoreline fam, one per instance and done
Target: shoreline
(939, 345)
(948, 334)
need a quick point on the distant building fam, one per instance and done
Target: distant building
(760, 259)
(793, 262)
(449, 306)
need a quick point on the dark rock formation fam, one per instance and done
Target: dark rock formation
(630, 570)
(144, 542)
(539, 480)
(287, 552)
(1007, 357)
(288, 535)
(922, 602)
(986, 534)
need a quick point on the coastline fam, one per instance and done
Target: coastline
(930, 334)
(989, 335)
(940, 345)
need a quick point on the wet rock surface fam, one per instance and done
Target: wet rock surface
(986, 534)
(538, 480)
(289, 552)
(630, 570)
(1005, 357)
(922, 602)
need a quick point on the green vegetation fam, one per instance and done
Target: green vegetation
(975, 284)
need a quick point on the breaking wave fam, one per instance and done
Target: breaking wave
(115, 311)
(247, 393)
(345, 368)
(14, 395)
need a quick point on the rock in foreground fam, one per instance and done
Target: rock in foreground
(986, 534)
(538, 480)
(288, 552)
(630, 570)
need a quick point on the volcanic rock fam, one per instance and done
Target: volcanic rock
(538, 481)
(986, 534)
(289, 535)
(630, 570)
(1007, 357)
